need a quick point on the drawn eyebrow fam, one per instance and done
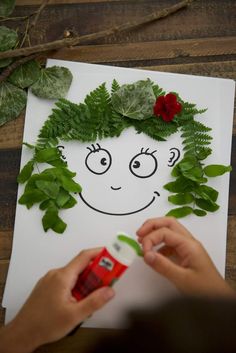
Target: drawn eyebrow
(147, 151)
(93, 148)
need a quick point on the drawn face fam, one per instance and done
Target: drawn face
(143, 165)
(122, 176)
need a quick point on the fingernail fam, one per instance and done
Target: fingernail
(108, 293)
(150, 257)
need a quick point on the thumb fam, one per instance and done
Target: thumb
(94, 301)
(164, 266)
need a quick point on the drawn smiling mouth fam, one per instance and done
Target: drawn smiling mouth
(120, 214)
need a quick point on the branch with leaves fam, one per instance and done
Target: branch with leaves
(16, 76)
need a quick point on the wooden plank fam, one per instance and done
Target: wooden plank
(11, 134)
(202, 19)
(60, 2)
(9, 162)
(6, 238)
(171, 49)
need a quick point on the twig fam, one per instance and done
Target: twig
(6, 73)
(67, 42)
(5, 19)
(26, 34)
(38, 13)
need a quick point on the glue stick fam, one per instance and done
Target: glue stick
(108, 266)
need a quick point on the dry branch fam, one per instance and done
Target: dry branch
(67, 42)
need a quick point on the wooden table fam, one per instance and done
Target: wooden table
(198, 40)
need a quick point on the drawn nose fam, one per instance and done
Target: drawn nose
(112, 187)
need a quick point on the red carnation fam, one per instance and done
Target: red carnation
(167, 107)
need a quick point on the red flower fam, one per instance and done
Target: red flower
(167, 107)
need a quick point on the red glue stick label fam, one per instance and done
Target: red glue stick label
(103, 271)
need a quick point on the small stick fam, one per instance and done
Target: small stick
(38, 13)
(67, 42)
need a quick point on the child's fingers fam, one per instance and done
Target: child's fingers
(157, 223)
(164, 266)
(78, 264)
(93, 302)
(162, 235)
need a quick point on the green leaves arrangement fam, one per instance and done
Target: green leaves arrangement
(191, 176)
(51, 188)
(49, 83)
(104, 114)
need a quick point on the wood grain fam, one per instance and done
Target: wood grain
(58, 2)
(150, 50)
(201, 19)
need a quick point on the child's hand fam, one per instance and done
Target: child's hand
(51, 311)
(189, 267)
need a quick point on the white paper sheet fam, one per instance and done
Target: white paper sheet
(34, 252)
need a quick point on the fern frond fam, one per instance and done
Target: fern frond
(158, 91)
(155, 128)
(114, 87)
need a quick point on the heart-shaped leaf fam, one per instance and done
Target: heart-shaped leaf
(12, 102)
(53, 82)
(25, 75)
(8, 38)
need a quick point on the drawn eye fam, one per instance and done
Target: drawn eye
(143, 164)
(98, 161)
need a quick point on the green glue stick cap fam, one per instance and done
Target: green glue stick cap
(131, 242)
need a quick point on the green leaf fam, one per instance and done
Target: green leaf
(207, 205)
(6, 7)
(31, 197)
(181, 198)
(25, 75)
(70, 203)
(58, 163)
(47, 155)
(51, 220)
(188, 163)
(60, 226)
(62, 198)
(45, 204)
(53, 82)
(215, 170)
(12, 102)
(181, 184)
(131, 242)
(50, 188)
(28, 145)
(135, 100)
(31, 184)
(199, 213)
(180, 212)
(207, 192)
(8, 38)
(5, 62)
(70, 185)
(26, 172)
